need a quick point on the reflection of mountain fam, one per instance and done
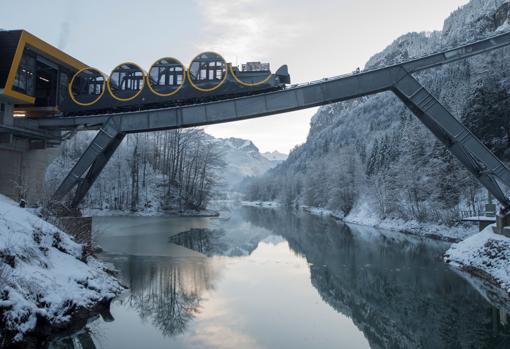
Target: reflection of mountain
(205, 241)
(212, 242)
(233, 238)
(165, 290)
(396, 290)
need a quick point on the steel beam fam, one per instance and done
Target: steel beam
(95, 170)
(104, 141)
(461, 142)
(456, 54)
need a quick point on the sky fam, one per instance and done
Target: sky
(316, 39)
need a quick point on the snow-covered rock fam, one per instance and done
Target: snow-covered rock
(486, 255)
(44, 275)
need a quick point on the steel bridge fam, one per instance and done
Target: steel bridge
(398, 78)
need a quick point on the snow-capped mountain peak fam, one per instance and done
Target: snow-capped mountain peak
(275, 156)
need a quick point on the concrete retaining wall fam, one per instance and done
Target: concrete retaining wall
(22, 170)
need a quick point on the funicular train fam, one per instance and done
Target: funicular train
(169, 83)
(42, 80)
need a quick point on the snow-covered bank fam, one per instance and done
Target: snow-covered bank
(45, 277)
(486, 255)
(364, 215)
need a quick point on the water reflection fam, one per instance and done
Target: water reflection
(166, 292)
(394, 288)
(206, 241)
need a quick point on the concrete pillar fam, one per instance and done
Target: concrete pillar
(22, 167)
(22, 170)
(10, 173)
(6, 114)
(33, 170)
(503, 224)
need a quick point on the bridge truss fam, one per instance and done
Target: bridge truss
(462, 143)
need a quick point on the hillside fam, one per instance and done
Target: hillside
(371, 156)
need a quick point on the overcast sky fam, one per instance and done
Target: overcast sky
(315, 38)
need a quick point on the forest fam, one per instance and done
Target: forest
(165, 170)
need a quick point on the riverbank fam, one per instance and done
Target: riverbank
(485, 255)
(46, 279)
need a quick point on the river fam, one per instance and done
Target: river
(266, 278)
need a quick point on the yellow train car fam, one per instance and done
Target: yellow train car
(34, 75)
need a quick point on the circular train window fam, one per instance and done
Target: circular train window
(87, 86)
(207, 72)
(166, 77)
(126, 82)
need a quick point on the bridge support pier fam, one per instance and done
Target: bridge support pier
(91, 163)
(461, 142)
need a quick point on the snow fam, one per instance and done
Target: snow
(43, 273)
(504, 27)
(242, 159)
(275, 156)
(485, 253)
(479, 219)
(364, 214)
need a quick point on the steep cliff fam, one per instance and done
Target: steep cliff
(372, 152)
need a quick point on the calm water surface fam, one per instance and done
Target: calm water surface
(279, 279)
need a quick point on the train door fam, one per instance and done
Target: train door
(46, 84)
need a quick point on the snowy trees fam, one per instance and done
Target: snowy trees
(161, 170)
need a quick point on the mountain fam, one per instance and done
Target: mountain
(275, 156)
(372, 156)
(242, 159)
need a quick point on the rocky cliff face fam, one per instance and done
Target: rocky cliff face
(373, 151)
